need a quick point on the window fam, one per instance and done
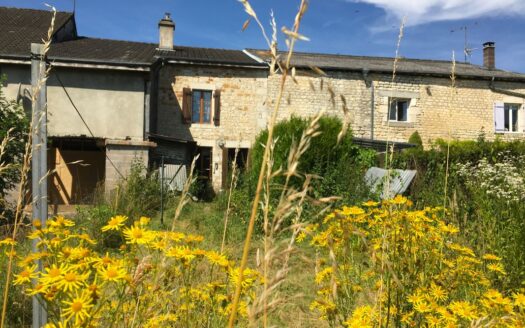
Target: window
(511, 117)
(197, 106)
(399, 110)
(201, 106)
(507, 117)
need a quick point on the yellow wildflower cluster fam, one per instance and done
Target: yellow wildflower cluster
(385, 264)
(156, 279)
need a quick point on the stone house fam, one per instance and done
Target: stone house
(112, 102)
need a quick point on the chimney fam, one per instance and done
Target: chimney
(489, 55)
(166, 31)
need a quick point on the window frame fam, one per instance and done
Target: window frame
(393, 101)
(201, 106)
(509, 123)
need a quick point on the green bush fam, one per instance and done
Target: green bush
(484, 194)
(339, 166)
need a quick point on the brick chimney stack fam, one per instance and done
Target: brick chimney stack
(489, 55)
(166, 32)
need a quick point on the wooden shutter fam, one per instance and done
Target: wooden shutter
(499, 117)
(186, 105)
(217, 107)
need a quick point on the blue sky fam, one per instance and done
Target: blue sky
(356, 27)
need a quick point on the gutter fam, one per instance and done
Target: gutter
(93, 65)
(505, 92)
(238, 65)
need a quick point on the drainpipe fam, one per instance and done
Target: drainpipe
(370, 84)
(372, 109)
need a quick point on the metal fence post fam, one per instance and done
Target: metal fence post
(162, 190)
(39, 160)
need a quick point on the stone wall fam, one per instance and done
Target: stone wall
(436, 110)
(243, 108)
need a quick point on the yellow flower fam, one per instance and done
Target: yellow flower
(78, 308)
(519, 300)
(52, 274)
(438, 293)
(217, 258)
(138, 235)
(496, 267)
(60, 222)
(422, 307)
(26, 275)
(144, 220)
(464, 309)
(112, 272)
(323, 274)
(354, 210)
(370, 203)
(491, 257)
(115, 223)
(8, 241)
(72, 280)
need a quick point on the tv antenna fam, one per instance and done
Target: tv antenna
(467, 49)
(74, 6)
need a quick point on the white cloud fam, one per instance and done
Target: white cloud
(425, 11)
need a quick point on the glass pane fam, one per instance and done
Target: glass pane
(196, 107)
(507, 123)
(514, 120)
(392, 116)
(207, 106)
(402, 111)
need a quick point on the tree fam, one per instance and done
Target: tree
(14, 128)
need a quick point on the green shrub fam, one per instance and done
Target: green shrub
(338, 166)
(484, 194)
(415, 139)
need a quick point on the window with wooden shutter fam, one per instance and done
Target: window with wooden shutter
(186, 105)
(217, 107)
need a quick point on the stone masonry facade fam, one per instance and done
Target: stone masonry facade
(436, 110)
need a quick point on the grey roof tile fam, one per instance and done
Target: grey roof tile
(385, 64)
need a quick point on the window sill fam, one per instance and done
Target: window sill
(203, 125)
(399, 124)
(509, 132)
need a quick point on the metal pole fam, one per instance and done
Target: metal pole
(39, 160)
(162, 190)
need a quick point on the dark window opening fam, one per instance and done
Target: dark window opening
(399, 110)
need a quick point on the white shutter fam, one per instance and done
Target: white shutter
(521, 118)
(499, 116)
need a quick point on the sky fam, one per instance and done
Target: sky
(433, 28)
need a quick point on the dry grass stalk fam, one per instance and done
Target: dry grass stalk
(233, 185)
(290, 204)
(185, 195)
(453, 89)
(26, 164)
(285, 72)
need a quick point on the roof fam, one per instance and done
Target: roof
(385, 65)
(105, 51)
(209, 55)
(399, 181)
(381, 145)
(21, 27)
(26, 26)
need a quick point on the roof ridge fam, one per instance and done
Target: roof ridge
(39, 10)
